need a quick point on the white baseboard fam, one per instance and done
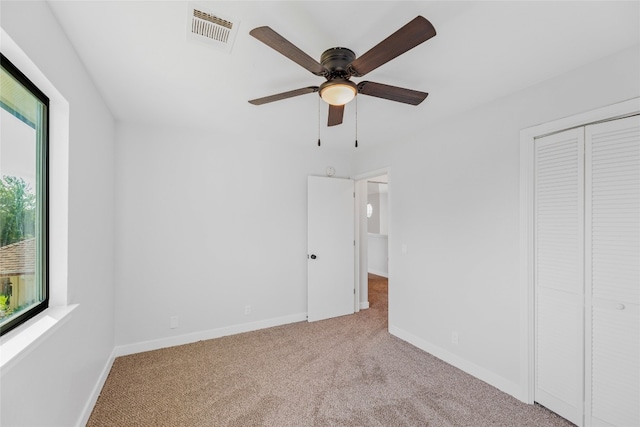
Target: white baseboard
(207, 335)
(379, 272)
(364, 305)
(95, 393)
(465, 365)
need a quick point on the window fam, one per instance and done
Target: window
(24, 130)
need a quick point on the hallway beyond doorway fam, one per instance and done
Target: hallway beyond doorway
(379, 294)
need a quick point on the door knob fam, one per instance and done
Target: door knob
(313, 256)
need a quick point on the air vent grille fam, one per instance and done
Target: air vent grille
(211, 28)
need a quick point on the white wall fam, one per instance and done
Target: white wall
(377, 226)
(373, 199)
(207, 224)
(52, 385)
(384, 209)
(455, 204)
(378, 254)
(377, 223)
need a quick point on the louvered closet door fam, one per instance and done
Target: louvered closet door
(613, 272)
(559, 273)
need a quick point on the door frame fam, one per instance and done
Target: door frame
(527, 216)
(362, 252)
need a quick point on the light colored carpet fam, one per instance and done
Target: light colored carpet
(347, 371)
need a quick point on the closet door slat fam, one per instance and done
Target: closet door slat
(559, 273)
(612, 275)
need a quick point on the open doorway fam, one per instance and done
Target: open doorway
(378, 242)
(372, 229)
(377, 225)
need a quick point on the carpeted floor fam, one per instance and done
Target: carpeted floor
(347, 371)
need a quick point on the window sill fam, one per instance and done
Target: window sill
(16, 344)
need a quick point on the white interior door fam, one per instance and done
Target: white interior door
(559, 273)
(330, 248)
(613, 273)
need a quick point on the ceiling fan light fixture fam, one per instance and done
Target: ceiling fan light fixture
(338, 91)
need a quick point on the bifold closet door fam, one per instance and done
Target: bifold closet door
(559, 273)
(612, 256)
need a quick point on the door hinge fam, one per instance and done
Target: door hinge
(354, 291)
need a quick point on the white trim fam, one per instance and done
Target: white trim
(357, 212)
(362, 245)
(361, 248)
(17, 344)
(526, 266)
(465, 365)
(527, 136)
(610, 112)
(97, 389)
(371, 174)
(58, 170)
(124, 350)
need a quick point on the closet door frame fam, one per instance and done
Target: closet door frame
(527, 222)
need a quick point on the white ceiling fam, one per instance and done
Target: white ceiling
(146, 70)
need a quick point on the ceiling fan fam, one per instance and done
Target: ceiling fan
(337, 65)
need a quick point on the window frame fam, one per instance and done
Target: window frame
(42, 203)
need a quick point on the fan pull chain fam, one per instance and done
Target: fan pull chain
(356, 122)
(319, 99)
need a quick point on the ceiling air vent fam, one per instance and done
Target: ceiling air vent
(211, 28)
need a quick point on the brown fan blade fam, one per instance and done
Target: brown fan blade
(275, 41)
(284, 95)
(411, 35)
(393, 93)
(335, 115)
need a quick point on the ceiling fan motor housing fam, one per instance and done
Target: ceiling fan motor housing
(337, 61)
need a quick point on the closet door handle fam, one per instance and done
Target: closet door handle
(620, 307)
